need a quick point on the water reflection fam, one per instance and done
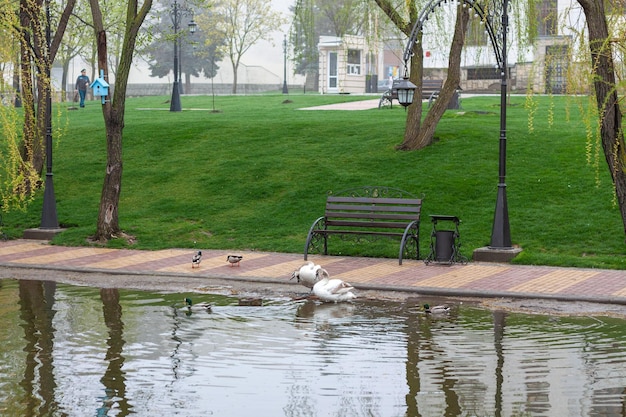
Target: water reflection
(74, 351)
(114, 379)
(37, 312)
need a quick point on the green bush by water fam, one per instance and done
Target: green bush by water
(254, 175)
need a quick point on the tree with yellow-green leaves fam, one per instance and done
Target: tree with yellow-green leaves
(601, 72)
(606, 42)
(30, 49)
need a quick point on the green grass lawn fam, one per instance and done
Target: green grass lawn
(254, 176)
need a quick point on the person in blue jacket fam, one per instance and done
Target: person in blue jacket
(82, 83)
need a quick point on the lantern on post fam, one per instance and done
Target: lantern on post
(406, 91)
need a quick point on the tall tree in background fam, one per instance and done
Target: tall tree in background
(242, 24)
(345, 17)
(199, 53)
(113, 112)
(314, 18)
(73, 45)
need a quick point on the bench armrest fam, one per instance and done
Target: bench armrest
(318, 224)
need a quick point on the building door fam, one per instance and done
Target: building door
(556, 69)
(333, 81)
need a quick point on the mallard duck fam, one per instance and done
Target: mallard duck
(234, 259)
(441, 309)
(190, 306)
(195, 260)
(333, 290)
(308, 274)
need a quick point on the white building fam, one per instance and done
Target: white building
(350, 64)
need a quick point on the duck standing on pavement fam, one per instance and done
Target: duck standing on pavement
(195, 260)
(234, 259)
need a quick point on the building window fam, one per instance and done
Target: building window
(548, 18)
(354, 62)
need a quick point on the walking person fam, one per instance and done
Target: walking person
(82, 83)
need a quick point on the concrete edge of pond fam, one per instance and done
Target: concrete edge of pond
(269, 273)
(551, 304)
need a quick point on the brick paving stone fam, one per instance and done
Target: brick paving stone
(476, 279)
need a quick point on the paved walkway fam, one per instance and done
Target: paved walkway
(350, 105)
(471, 280)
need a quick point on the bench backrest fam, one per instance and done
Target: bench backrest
(368, 212)
(432, 85)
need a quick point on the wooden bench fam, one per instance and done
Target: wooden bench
(369, 212)
(430, 92)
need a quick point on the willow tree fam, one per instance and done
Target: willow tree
(603, 71)
(113, 112)
(31, 49)
(36, 58)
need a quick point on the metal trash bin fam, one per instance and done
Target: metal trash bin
(444, 245)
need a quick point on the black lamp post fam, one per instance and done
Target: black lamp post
(49, 212)
(285, 89)
(176, 14)
(494, 14)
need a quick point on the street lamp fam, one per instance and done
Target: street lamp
(49, 211)
(177, 14)
(285, 89)
(494, 15)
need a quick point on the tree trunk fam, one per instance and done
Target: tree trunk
(611, 132)
(108, 219)
(414, 116)
(113, 113)
(32, 148)
(235, 65)
(453, 80)
(418, 136)
(37, 54)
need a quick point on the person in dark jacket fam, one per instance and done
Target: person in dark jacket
(82, 83)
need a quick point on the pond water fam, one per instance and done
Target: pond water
(78, 351)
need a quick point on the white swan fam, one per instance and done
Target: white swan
(333, 290)
(308, 274)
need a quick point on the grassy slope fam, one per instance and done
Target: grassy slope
(254, 176)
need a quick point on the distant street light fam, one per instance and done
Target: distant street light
(285, 89)
(177, 14)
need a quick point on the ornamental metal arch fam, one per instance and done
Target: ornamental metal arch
(496, 28)
(494, 15)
